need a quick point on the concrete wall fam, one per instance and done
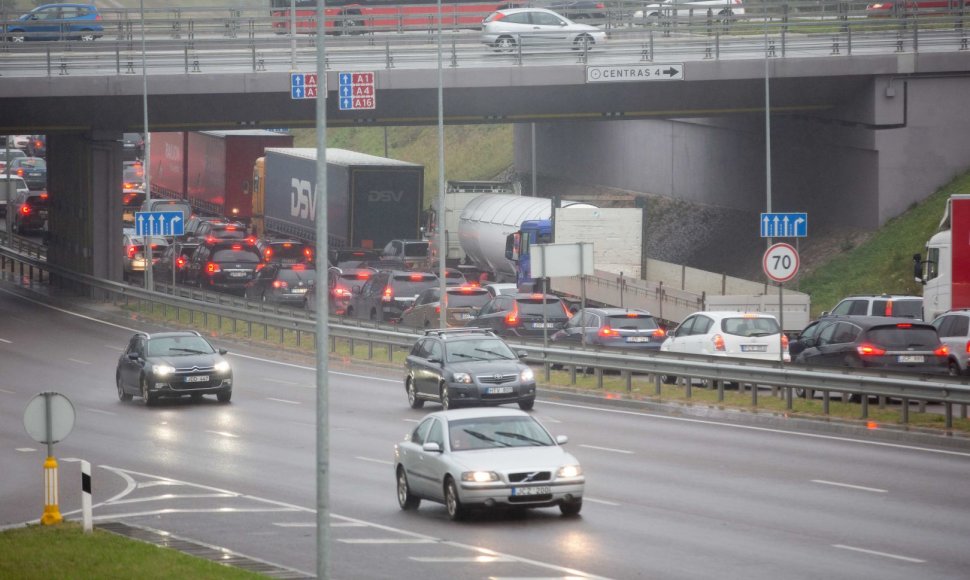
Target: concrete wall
(857, 165)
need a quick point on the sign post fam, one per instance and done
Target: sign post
(49, 418)
(780, 264)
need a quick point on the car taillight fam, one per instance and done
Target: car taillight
(308, 253)
(659, 333)
(903, 325)
(607, 332)
(180, 263)
(566, 310)
(942, 350)
(280, 284)
(259, 266)
(718, 341)
(339, 291)
(867, 349)
(512, 318)
(363, 275)
(388, 294)
(888, 311)
(20, 171)
(132, 250)
(212, 268)
(437, 309)
(25, 209)
(784, 341)
(268, 253)
(968, 347)
(237, 247)
(417, 277)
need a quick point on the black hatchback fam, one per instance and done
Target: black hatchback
(876, 342)
(627, 328)
(522, 315)
(223, 265)
(172, 364)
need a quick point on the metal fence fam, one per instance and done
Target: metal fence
(784, 380)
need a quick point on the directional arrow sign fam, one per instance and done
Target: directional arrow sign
(784, 225)
(159, 223)
(634, 73)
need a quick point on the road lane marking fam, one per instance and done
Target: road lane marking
(460, 559)
(223, 434)
(883, 554)
(90, 410)
(4, 340)
(6, 392)
(25, 449)
(314, 524)
(850, 486)
(387, 540)
(80, 362)
(610, 449)
(115, 347)
(289, 383)
(381, 461)
(284, 401)
(602, 501)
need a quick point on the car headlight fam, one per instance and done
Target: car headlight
(222, 366)
(462, 378)
(527, 376)
(162, 370)
(569, 471)
(479, 476)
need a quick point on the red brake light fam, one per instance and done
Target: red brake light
(968, 346)
(942, 350)
(259, 266)
(659, 333)
(537, 296)
(20, 171)
(416, 277)
(512, 318)
(718, 342)
(607, 332)
(437, 309)
(632, 315)
(363, 275)
(180, 263)
(308, 253)
(889, 308)
(298, 266)
(237, 246)
(904, 325)
(132, 250)
(279, 284)
(466, 288)
(867, 349)
(251, 240)
(268, 253)
(212, 268)
(784, 341)
(211, 239)
(230, 228)
(340, 291)
(388, 294)
(25, 209)
(43, 195)
(287, 245)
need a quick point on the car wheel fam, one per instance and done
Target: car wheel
(224, 395)
(413, 399)
(122, 395)
(456, 511)
(148, 398)
(87, 36)
(583, 41)
(954, 369)
(446, 403)
(571, 508)
(373, 315)
(505, 44)
(350, 312)
(348, 27)
(668, 379)
(527, 404)
(17, 37)
(405, 498)
(805, 393)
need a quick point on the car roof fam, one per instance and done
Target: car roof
(878, 296)
(169, 334)
(616, 311)
(734, 314)
(518, 10)
(870, 321)
(475, 412)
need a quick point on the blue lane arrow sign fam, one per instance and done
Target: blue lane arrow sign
(784, 225)
(159, 223)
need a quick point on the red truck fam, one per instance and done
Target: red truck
(212, 170)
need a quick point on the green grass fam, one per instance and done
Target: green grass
(884, 263)
(64, 551)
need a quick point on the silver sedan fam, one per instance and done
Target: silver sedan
(537, 28)
(486, 458)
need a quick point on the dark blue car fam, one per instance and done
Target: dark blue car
(58, 22)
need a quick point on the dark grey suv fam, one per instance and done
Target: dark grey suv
(626, 328)
(386, 294)
(467, 367)
(527, 315)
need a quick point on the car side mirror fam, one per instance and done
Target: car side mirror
(133, 356)
(522, 354)
(431, 447)
(918, 269)
(223, 351)
(562, 439)
(435, 361)
(824, 313)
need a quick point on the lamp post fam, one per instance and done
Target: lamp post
(148, 148)
(442, 242)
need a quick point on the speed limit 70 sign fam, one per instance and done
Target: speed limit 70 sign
(780, 262)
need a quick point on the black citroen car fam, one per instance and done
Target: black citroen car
(172, 364)
(226, 265)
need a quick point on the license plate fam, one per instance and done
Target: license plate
(299, 290)
(637, 339)
(237, 274)
(197, 379)
(910, 358)
(535, 490)
(543, 325)
(498, 390)
(465, 316)
(754, 348)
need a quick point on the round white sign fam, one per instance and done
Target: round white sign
(780, 262)
(61, 417)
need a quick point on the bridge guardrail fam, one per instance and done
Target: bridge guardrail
(864, 384)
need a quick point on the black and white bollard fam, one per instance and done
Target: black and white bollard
(86, 495)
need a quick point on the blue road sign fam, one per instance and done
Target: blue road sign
(303, 86)
(784, 225)
(356, 91)
(159, 223)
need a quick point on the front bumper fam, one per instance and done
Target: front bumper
(499, 494)
(176, 386)
(475, 394)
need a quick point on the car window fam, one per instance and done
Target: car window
(904, 337)
(845, 333)
(635, 322)
(519, 18)
(702, 325)
(960, 326)
(545, 19)
(421, 431)
(825, 336)
(685, 327)
(434, 350)
(461, 299)
(852, 308)
(436, 435)
(295, 276)
(540, 306)
(746, 326)
(882, 308)
(233, 255)
(490, 432)
(418, 250)
(179, 346)
(411, 284)
(908, 308)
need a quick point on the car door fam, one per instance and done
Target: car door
(435, 464)
(954, 331)
(130, 370)
(44, 23)
(412, 458)
(434, 368)
(700, 340)
(572, 332)
(837, 344)
(678, 339)
(547, 29)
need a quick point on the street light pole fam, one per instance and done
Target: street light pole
(149, 285)
(442, 242)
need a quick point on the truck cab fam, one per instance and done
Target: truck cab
(518, 249)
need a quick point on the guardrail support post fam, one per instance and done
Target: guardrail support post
(825, 402)
(572, 374)
(948, 414)
(598, 373)
(333, 343)
(688, 387)
(921, 406)
(865, 407)
(788, 398)
(628, 380)
(904, 411)
(370, 350)
(754, 395)
(719, 385)
(390, 352)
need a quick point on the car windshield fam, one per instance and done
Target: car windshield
(904, 337)
(412, 284)
(297, 276)
(241, 256)
(31, 162)
(179, 346)
(484, 349)
(755, 326)
(286, 253)
(551, 306)
(418, 250)
(467, 299)
(634, 322)
(491, 432)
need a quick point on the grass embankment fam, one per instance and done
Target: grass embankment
(65, 551)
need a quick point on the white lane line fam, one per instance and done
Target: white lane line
(381, 461)
(4, 340)
(406, 420)
(223, 434)
(314, 524)
(279, 382)
(80, 362)
(610, 449)
(461, 560)
(756, 428)
(25, 449)
(850, 486)
(883, 554)
(602, 501)
(6, 392)
(284, 401)
(89, 410)
(387, 541)
(115, 347)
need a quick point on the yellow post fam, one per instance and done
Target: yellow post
(52, 514)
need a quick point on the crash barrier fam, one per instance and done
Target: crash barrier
(785, 380)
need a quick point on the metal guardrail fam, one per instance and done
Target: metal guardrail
(717, 370)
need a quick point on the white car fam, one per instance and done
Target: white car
(485, 458)
(753, 335)
(700, 7)
(505, 30)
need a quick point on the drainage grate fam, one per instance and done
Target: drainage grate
(213, 553)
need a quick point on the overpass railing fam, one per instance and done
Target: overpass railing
(783, 379)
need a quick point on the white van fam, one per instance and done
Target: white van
(10, 186)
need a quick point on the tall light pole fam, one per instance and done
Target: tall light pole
(442, 242)
(148, 149)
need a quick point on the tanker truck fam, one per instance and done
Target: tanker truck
(496, 232)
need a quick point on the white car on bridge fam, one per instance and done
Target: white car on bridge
(700, 7)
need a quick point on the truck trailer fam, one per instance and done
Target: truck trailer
(945, 270)
(371, 200)
(210, 169)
